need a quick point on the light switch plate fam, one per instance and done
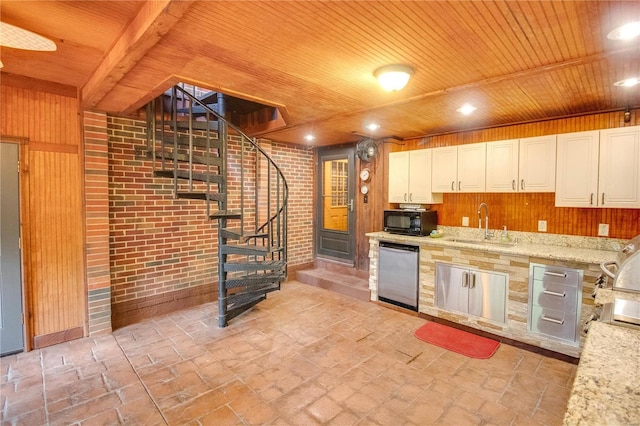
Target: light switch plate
(542, 226)
(603, 230)
(465, 221)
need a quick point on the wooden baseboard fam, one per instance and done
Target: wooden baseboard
(133, 311)
(45, 340)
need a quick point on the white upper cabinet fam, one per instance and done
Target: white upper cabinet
(502, 166)
(538, 164)
(577, 169)
(410, 177)
(459, 168)
(619, 173)
(444, 170)
(599, 168)
(522, 165)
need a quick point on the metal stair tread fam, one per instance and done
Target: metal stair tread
(235, 233)
(198, 159)
(242, 248)
(212, 196)
(184, 174)
(226, 214)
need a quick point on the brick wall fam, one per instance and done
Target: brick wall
(297, 165)
(163, 251)
(97, 222)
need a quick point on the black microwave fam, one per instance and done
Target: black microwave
(410, 222)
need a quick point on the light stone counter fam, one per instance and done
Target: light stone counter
(554, 247)
(606, 390)
(606, 295)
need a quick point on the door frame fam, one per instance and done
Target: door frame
(329, 153)
(21, 143)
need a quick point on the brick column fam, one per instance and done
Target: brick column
(97, 222)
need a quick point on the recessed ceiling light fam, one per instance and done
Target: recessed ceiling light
(626, 32)
(466, 109)
(628, 82)
(19, 38)
(372, 126)
(309, 137)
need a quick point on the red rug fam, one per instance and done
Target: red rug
(456, 340)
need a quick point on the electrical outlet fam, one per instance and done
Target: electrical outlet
(603, 230)
(542, 226)
(465, 221)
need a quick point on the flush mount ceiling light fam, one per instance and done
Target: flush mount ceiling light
(466, 109)
(309, 137)
(628, 82)
(626, 32)
(19, 38)
(393, 77)
(372, 127)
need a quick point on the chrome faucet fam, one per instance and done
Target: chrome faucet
(486, 223)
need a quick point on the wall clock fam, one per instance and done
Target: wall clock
(365, 174)
(364, 189)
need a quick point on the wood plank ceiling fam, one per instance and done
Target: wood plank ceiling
(517, 61)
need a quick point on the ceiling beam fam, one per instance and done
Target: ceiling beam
(153, 21)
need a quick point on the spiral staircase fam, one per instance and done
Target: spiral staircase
(210, 159)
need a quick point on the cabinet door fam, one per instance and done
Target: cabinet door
(399, 177)
(452, 290)
(538, 164)
(619, 180)
(444, 169)
(502, 166)
(488, 295)
(420, 178)
(472, 163)
(577, 169)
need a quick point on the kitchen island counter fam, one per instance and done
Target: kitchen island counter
(606, 389)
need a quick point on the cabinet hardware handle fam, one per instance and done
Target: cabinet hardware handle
(405, 196)
(522, 184)
(603, 198)
(513, 184)
(591, 199)
(459, 182)
(453, 183)
(556, 274)
(472, 284)
(554, 293)
(553, 320)
(411, 196)
(465, 279)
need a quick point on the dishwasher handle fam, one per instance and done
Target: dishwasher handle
(396, 246)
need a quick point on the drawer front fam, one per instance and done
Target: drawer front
(551, 322)
(555, 296)
(556, 275)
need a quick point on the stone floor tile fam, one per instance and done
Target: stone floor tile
(304, 356)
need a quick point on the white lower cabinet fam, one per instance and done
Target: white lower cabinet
(472, 291)
(554, 302)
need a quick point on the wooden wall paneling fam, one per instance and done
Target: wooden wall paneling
(52, 211)
(56, 243)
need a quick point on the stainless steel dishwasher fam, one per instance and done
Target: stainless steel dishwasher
(398, 274)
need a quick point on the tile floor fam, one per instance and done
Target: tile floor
(305, 356)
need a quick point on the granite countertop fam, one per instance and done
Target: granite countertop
(523, 248)
(606, 390)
